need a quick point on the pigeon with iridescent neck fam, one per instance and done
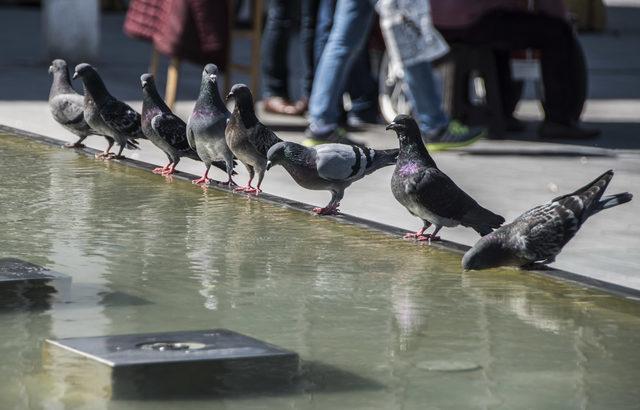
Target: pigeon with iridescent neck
(538, 235)
(206, 125)
(164, 129)
(328, 167)
(428, 193)
(247, 137)
(110, 117)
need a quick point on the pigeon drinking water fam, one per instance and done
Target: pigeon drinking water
(109, 116)
(247, 137)
(206, 125)
(539, 234)
(330, 167)
(429, 193)
(66, 105)
(164, 129)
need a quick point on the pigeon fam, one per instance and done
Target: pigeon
(108, 116)
(206, 125)
(331, 167)
(164, 129)
(66, 105)
(247, 137)
(428, 193)
(538, 235)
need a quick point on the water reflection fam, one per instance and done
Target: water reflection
(146, 255)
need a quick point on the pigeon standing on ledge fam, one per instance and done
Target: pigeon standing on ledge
(66, 105)
(330, 167)
(429, 193)
(248, 138)
(539, 234)
(165, 129)
(107, 115)
(206, 125)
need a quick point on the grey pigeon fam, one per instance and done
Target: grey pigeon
(107, 115)
(165, 129)
(539, 234)
(66, 105)
(429, 193)
(330, 167)
(247, 137)
(206, 125)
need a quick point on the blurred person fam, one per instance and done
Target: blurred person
(507, 25)
(352, 22)
(283, 17)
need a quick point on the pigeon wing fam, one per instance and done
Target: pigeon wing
(172, 129)
(546, 229)
(338, 162)
(67, 109)
(262, 138)
(121, 118)
(438, 194)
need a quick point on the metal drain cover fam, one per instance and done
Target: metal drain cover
(184, 362)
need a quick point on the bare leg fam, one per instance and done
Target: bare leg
(205, 177)
(420, 235)
(257, 189)
(433, 236)
(248, 187)
(171, 167)
(107, 152)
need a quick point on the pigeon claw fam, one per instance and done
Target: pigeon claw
(201, 181)
(74, 145)
(169, 171)
(159, 170)
(328, 210)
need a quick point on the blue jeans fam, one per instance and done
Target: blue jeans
(348, 37)
(424, 96)
(349, 34)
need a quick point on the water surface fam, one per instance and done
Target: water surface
(380, 323)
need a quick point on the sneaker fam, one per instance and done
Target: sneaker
(337, 135)
(454, 135)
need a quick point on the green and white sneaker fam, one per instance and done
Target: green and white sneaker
(337, 135)
(454, 135)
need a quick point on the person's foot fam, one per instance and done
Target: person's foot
(278, 105)
(302, 105)
(512, 124)
(337, 135)
(454, 135)
(552, 130)
(362, 119)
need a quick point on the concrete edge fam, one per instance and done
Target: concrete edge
(541, 270)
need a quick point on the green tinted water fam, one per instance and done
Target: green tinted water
(383, 323)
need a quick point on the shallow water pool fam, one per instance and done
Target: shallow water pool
(379, 322)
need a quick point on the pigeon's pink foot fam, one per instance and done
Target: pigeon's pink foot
(159, 170)
(200, 181)
(327, 210)
(74, 145)
(417, 235)
(245, 188)
(102, 155)
(168, 171)
(251, 190)
(423, 238)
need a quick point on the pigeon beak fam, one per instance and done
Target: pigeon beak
(269, 165)
(227, 99)
(50, 69)
(391, 126)
(213, 77)
(144, 84)
(75, 75)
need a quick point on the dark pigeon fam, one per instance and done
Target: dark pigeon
(66, 105)
(330, 167)
(107, 115)
(206, 125)
(247, 137)
(164, 129)
(538, 235)
(430, 194)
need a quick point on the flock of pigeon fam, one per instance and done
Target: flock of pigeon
(218, 138)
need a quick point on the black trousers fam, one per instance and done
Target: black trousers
(563, 64)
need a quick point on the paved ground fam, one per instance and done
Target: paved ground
(506, 176)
